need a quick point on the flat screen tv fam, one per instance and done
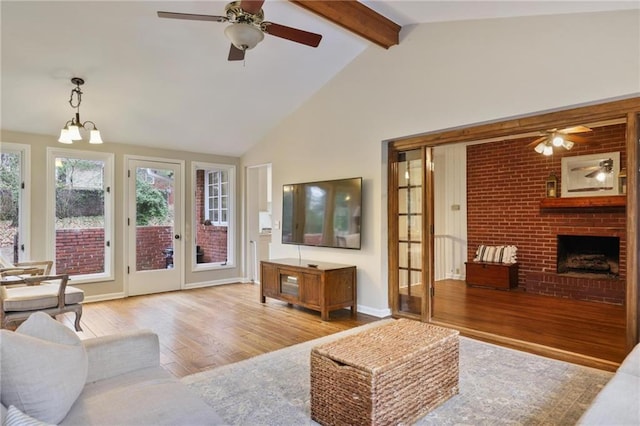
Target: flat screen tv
(323, 214)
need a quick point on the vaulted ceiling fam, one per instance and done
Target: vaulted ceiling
(167, 83)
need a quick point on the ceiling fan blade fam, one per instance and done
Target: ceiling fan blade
(192, 16)
(575, 129)
(537, 141)
(293, 34)
(585, 168)
(593, 173)
(236, 54)
(251, 6)
(576, 139)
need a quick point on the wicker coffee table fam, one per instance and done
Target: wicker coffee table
(394, 373)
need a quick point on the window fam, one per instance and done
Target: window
(14, 201)
(213, 215)
(80, 225)
(217, 196)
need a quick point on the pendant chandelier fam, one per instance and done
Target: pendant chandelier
(71, 130)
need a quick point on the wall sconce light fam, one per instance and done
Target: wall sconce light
(71, 130)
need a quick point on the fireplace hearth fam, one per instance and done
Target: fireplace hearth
(588, 255)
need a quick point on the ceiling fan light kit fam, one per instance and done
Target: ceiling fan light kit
(248, 27)
(244, 36)
(558, 138)
(71, 130)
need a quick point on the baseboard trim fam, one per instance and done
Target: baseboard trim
(379, 313)
(104, 297)
(223, 281)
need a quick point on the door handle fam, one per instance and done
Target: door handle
(177, 236)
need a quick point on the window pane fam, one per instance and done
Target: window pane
(10, 180)
(211, 239)
(80, 216)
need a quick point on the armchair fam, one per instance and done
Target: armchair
(20, 296)
(37, 267)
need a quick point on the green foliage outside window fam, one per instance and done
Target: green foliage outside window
(151, 203)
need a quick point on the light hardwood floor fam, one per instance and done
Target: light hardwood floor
(205, 328)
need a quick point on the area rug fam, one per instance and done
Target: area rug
(498, 386)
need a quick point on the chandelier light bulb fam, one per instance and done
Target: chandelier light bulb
(95, 137)
(548, 150)
(74, 133)
(64, 136)
(558, 140)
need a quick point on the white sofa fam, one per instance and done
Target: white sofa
(120, 379)
(618, 403)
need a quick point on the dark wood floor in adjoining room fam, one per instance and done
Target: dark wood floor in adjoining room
(205, 328)
(592, 329)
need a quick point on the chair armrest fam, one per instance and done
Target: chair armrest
(43, 265)
(110, 356)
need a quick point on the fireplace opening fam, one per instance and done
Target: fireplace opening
(589, 255)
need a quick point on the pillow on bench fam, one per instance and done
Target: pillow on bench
(496, 254)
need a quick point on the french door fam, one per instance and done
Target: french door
(154, 226)
(410, 232)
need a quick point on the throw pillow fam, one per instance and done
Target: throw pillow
(16, 417)
(42, 375)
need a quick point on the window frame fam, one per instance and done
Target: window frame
(24, 207)
(231, 214)
(218, 196)
(109, 216)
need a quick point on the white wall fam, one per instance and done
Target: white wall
(440, 76)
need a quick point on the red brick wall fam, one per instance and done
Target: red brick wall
(80, 251)
(151, 241)
(505, 183)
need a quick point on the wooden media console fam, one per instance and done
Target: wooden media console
(319, 286)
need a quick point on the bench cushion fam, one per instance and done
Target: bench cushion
(36, 297)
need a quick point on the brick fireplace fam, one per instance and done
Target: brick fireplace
(588, 256)
(505, 184)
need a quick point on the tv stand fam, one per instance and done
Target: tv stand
(315, 285)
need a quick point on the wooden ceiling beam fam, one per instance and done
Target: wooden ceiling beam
(357, 18)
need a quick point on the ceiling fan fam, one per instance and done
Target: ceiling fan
(599, 172)
(565, 138)
(248, 27)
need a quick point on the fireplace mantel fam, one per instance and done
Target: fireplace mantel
(584, 202)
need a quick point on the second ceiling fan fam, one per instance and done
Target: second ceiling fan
(248, 27)
(565, 138)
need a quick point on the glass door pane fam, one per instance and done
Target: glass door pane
(410, 291)
(154, 218)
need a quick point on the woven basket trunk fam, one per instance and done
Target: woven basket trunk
(393, 374)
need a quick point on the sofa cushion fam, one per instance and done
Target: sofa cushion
(616, 404)
(149, 396)
(16, 417)
(35, 297)
(631, 364)
(43, 369)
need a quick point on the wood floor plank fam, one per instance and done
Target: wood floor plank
(592, 329)
(205, 328)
